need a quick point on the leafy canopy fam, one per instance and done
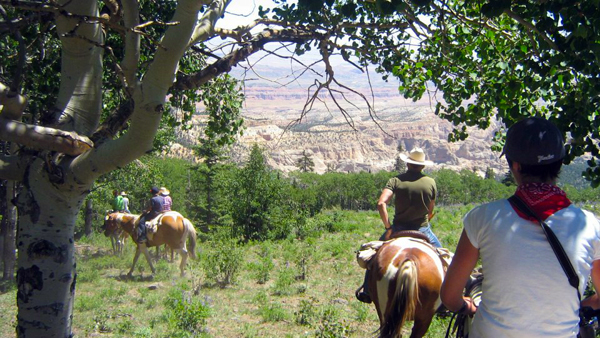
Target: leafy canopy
(478, 61)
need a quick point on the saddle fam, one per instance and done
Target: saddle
(368, 250)
(408, 233)
(151, 225)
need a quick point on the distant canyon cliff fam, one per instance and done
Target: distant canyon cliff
(352, 143)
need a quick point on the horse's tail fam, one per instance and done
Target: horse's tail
(192, 235)
(404, 302)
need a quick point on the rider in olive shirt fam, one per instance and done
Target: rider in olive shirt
(414, 201)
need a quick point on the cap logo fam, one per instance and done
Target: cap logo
(542, 134)
(544, 158)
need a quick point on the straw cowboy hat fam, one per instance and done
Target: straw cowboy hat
(123, 193)
(164, 191)
(416, 156)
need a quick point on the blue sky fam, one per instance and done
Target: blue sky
(242, 12)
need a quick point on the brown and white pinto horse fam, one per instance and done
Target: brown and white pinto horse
(173, 230)
(404, 283)
(117, 240)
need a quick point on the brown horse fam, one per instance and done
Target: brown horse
(404, 283)
(173, 230)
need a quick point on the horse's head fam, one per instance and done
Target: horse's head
(110, 224)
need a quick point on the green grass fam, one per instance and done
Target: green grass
(291, 288)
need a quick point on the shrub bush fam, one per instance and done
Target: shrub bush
(186, 315)
(222, 262)
(262, 269)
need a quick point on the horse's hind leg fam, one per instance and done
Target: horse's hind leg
(184, 255)
(114, 246)
(421, 323)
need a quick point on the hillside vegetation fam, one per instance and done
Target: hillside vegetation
(276, 258)
(296, 287)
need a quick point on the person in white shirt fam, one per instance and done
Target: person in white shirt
(526, 293)
(125, 202)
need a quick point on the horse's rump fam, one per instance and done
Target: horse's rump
(407, 274)
(154, 224)
(367, 251)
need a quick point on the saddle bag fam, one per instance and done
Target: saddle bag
(366, 253)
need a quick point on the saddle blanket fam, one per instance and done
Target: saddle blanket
(153, 224)
(368, 250)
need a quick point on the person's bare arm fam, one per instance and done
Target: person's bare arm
(431, 206)
(463, 262)
(594, 300)
(384, 199)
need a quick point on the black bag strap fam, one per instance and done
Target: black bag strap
(558, 249)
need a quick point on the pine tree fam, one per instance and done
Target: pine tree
(509, 179)
(489, 174)
(305, 163)
(399, 166)
(213, 154)
(330, 168)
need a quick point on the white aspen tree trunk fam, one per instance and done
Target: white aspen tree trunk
(55, 187)
(46, 262)
(8, 247)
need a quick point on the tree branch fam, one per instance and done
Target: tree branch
(80, 93)
(148, 100)
(531, 27)
(13, 103)
(206, 25)
(43, 138)
(225, 64)
(132, 43)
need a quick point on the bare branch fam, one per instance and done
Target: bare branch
(44, 138)
(372, 112)
(225, 64)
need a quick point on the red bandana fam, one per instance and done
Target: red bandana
(544, 199)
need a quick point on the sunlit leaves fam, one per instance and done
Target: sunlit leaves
(223, 100)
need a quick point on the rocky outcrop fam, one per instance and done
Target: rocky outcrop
(356, 142)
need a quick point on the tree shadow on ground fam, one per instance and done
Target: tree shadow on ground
(134, 278)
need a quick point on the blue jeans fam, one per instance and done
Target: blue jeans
(432, 237)
(427, 232)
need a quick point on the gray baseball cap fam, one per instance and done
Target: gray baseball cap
(534, 141)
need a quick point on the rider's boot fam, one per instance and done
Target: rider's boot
(362, 293)
(141, 239)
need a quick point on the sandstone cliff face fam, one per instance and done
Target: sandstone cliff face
(350, 144)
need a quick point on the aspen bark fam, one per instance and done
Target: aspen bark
(8, 247)
(46, 272)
